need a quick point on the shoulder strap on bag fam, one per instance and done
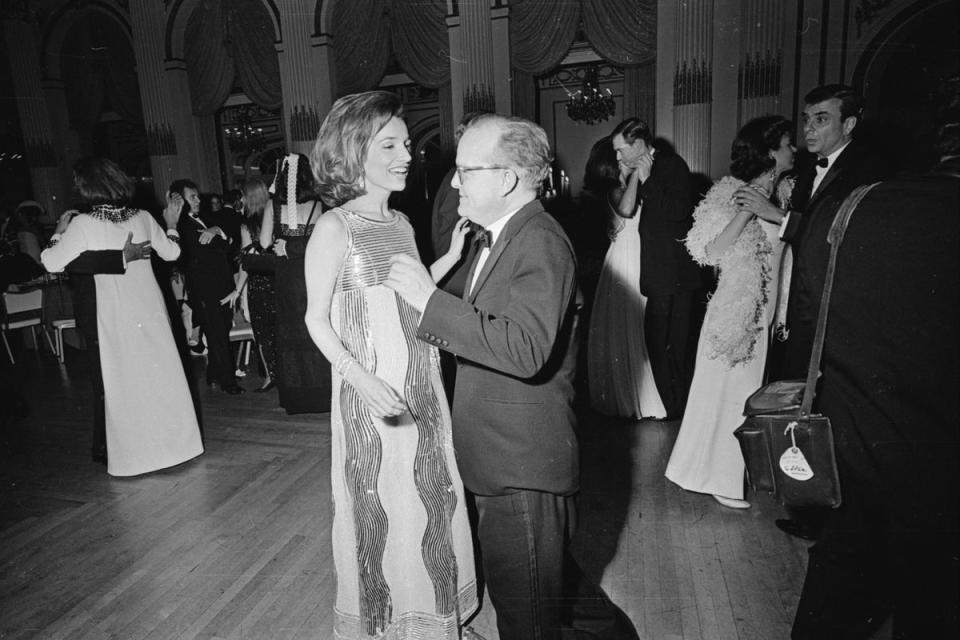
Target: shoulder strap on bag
(835, 238)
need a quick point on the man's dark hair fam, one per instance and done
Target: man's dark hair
(851, 102)
(633, 129)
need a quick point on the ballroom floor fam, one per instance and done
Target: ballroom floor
(236, 544)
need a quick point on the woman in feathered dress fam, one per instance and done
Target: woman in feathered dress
(731, 354)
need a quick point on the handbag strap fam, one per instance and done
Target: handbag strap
(835, 238)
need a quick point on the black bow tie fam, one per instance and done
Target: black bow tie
(822, 162)
(481, 236)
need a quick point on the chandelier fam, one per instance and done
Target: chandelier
(590, 105)
(242, 136)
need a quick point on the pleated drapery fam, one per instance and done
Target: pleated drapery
(366, 32)
(225, 39)
(623, 32)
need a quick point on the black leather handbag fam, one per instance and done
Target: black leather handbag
(788, 450)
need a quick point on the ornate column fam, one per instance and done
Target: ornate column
(22, 37)
(693, 83)
(472, 65)
(305, 74)
(760, 76)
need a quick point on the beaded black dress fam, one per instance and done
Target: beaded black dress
(401, 539)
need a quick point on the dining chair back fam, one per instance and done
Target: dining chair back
(23, 310)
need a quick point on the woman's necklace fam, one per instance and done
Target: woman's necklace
(112, 213)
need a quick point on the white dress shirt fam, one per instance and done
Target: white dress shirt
(495, 229)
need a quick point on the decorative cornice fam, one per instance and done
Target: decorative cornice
(161, 141)
(693, 83)
(758, 76)
(479, 98)
(304, 123)
(570, 78)
(40, 154)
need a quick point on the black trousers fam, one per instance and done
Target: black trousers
(216, 320)
(535, 586)
(671, 327)
(879, 556)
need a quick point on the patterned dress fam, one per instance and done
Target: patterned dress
(401, 538)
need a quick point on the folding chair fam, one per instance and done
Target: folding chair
(22, 310)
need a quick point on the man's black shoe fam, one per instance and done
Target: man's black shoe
(798, 529)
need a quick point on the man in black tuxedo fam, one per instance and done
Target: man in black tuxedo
(669, 278)
(834, 165)
(81, 270)
(514, 335)
(891, 369)
(206, 251)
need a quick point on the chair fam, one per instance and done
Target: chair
(60, 325)
(22, 310)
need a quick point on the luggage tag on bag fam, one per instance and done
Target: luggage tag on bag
(792, 462)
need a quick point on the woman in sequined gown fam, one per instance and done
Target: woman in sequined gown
(303, 374)
(261, 296)
(401, 538)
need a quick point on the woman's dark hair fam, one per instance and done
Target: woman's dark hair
(750, 152)
(602, 172)
(101, 181)
(344, 138)
(306, 184)
(633, 129)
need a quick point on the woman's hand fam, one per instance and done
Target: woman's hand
(208, 235)
(382, 400)
(458, 238)
(752, 201)
(230, 298)
(280, 248)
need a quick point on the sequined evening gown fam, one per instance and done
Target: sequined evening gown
(401, 539)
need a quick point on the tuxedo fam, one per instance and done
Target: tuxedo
(81, 270)
(889, 383)
(514, 337)
(209, 273)
(669, 278)
(806, 229)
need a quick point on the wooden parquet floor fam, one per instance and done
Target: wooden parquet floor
(236, 544)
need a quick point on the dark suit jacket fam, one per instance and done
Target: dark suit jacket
(208, 267)
(807, 232)
(513, 421)
(81, 270)
(891, 364)
(667, 215)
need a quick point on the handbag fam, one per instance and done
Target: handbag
(259, 263)
(788, 450)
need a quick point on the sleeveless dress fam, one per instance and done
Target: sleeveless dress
(151, 423)
(732, 350)
(620, 378)
(303, 374)
(401, 539)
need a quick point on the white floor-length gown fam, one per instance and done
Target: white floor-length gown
(620, 378)
(150, 419)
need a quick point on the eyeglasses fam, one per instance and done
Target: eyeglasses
(463, 171)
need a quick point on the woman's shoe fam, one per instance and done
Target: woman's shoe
(266, 387)
(732, 503)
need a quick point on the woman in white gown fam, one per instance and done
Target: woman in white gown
(732, 350)
(620, 378)
(150, 419)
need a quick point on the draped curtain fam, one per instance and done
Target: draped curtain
(623, 32)
(366, 32)
(228, 39)
(541, 32)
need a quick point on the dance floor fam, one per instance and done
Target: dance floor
(236, 544)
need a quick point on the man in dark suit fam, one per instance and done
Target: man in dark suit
(669, 278)
(513, 333)
(834, 165)
(206, 250)
(81, 270)
(891, 369)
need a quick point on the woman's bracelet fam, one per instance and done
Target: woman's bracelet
(343, 362)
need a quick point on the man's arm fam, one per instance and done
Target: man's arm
(93, 262)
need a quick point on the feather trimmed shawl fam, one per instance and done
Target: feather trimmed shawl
(735, 313)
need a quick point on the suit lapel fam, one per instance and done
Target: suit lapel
(506, 237)
(832, 174)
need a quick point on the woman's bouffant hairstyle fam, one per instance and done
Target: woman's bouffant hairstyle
(602, 172)
(750, 152)
(306, 184)
(341, 148)
(522, 145)
(101, 181)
